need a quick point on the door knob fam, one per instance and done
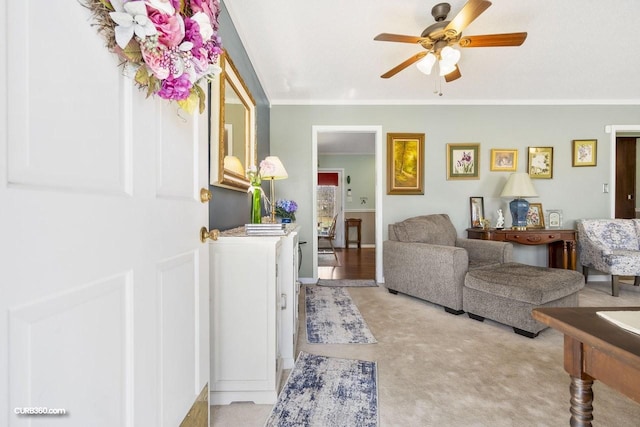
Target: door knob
(206, 234)
(205, 195)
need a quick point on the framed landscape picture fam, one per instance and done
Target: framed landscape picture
(584, 152)
(405, 163)
(504, 160)
(463, 161)
(540, 162)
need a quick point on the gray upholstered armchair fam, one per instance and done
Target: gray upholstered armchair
(424, 258)
(611, 246)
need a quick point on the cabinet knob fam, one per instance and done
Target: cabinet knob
(206, 234)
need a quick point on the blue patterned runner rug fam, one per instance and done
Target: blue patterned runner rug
(327, 391)
(347, 282)
(333, 318)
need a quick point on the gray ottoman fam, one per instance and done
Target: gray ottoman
(508, 292)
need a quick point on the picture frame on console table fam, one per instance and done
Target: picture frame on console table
(405, 163)
(584, 152)
(540, 164)
(554, 218)
(535, 216)
(463, 161)
(476, 208)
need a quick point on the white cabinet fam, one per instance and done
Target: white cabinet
(289, 295)
(253, 285)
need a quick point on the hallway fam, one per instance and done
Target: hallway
(352, 264)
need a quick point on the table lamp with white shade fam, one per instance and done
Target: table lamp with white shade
(519, 186)
(271, 168)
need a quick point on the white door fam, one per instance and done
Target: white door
(103, 280)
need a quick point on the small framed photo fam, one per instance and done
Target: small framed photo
(504, 160)
(463, 161)
(405, 167)
(535, 216)
(541, 162)
(476, 206)
(584, 152)
(554, 218)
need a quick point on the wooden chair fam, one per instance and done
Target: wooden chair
(330, 235)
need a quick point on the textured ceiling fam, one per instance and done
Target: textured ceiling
(323, 52)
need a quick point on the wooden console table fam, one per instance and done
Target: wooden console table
(561, 243)
(594, 349)
(352, 222)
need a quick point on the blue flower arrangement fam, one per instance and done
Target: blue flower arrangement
(286, 209)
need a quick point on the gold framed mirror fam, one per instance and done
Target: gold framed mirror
(233, 128)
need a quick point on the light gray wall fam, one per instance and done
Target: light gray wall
(230, 208)
(577, 191)
(361, 168)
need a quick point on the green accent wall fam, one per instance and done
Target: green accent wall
(361, 168)
(577, 191)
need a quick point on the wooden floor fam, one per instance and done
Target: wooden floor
(352, 264)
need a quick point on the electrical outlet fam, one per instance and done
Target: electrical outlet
(363, 200)
(605, 188)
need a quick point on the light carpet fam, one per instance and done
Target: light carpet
(333, 318)
(328, 391)
(440, 370)
(347, 282)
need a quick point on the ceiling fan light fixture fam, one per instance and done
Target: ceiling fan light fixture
(446, 68)
(450, 55)
(426, 64)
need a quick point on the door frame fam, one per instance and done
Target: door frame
(615, 131)
(377, 131)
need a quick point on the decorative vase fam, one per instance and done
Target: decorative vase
(256, 210)
(286, 220)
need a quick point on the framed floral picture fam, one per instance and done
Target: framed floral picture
(584, 152)
(541, 162)
(504, 160)
(405, 163)
(535, 216)
(463, 161)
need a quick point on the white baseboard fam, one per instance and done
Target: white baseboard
(599, 278)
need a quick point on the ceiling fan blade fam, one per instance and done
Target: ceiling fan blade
(386, 37)
(493, 40)
(395, 70)
(454, 75)
(466, 16)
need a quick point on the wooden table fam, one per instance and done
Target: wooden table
(561, 243)
(352, 222)
(594, 349)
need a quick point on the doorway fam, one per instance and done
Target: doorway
(626, 177)
(330, 198)
(616, 131)
(375, 132)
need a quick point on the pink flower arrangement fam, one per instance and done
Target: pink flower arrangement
(173, 44)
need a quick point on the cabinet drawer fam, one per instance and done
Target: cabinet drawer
(532, 239)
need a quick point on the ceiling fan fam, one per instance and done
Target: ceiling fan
(438, 39)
